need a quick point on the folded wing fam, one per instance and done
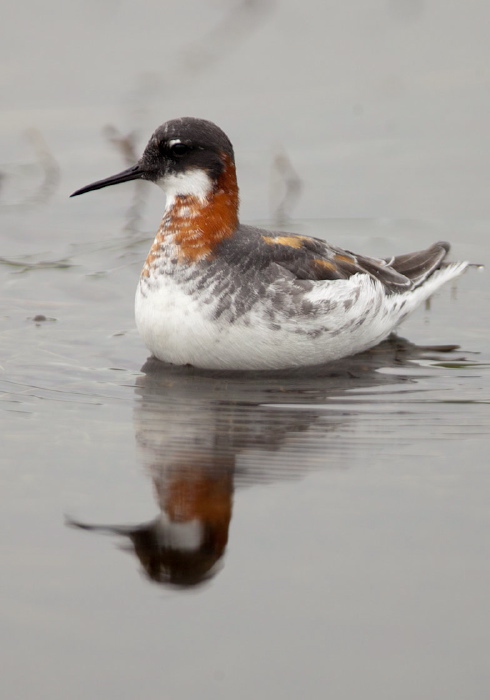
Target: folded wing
(314, 259)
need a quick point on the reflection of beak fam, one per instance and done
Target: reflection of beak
(133, 173)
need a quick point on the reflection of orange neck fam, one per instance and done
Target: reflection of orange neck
(196, 226)
(198, 493)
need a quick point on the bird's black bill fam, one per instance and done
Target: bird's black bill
(133, 173)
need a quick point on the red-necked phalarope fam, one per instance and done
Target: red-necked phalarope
(217, 294)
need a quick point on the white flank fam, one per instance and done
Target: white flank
(177, 327)
(195, 182)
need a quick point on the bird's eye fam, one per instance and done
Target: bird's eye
(179, 149)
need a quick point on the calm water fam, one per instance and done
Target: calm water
(314, 534)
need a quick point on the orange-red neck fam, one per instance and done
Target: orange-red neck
(196, 226)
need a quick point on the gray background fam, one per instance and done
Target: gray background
(357, 562)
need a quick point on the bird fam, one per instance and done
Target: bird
(218, 294)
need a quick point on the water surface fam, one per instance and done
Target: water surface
(193, 534)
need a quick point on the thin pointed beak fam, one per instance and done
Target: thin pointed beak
(133, 173)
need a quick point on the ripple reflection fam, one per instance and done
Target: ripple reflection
(202, 434)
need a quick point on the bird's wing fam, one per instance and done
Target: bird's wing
(314, 259)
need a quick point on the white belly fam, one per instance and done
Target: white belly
(180, 329)
(345, 317)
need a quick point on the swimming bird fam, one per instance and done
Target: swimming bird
(217, 294)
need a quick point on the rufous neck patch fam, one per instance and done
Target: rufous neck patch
(194, 226)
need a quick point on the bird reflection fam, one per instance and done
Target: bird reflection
(184, 544)
(201, 434)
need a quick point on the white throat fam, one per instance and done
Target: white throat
(195, 182)
(186, 536)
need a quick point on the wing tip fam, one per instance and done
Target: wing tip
(444, 245)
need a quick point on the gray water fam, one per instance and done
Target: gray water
(343, 512)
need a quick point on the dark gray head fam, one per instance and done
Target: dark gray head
(177, 147)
